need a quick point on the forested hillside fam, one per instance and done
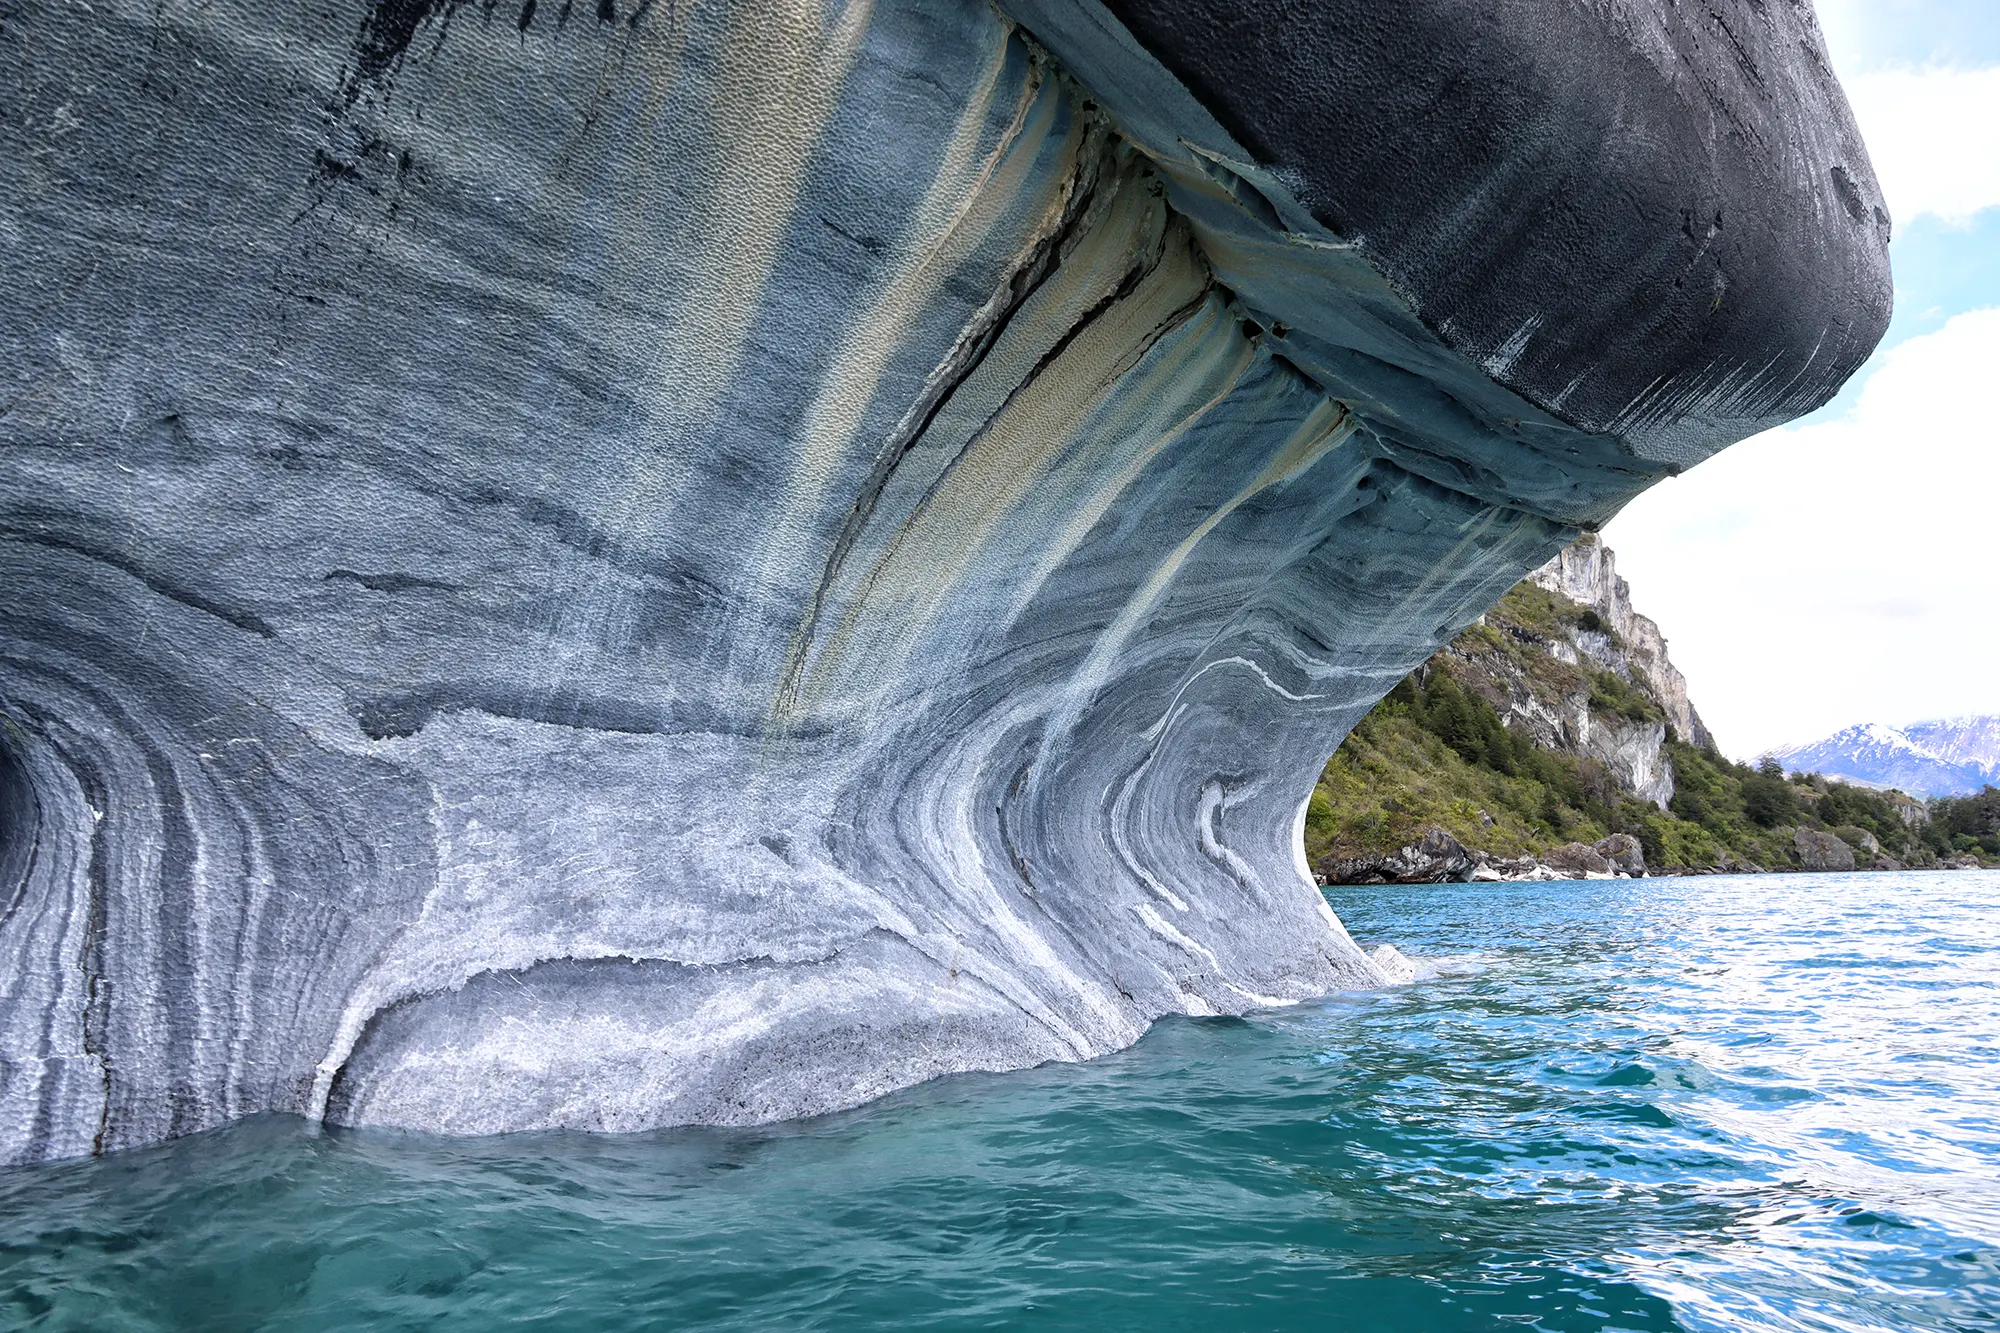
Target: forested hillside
(1532, 741)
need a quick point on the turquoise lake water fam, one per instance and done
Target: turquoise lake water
(1757, 1103)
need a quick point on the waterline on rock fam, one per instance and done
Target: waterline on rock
(1720, 1104)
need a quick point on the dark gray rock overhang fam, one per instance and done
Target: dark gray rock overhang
(1655, 220)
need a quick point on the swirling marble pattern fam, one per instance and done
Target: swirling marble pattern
(654, 563)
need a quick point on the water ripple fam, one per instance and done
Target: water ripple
(1766, 1103)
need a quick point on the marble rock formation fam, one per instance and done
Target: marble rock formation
(620, 564)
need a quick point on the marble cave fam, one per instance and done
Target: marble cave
(601, 566)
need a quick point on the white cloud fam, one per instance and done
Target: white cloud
(1840, 572)
(1844, 25)
(1934, 136)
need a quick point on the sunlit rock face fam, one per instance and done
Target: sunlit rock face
(627, 564)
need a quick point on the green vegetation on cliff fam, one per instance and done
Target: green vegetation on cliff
(1511, 642)
(1438, 756)
(1436, 753)
(1966, 824)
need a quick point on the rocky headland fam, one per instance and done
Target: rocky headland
(624, 565)
(1554, 739)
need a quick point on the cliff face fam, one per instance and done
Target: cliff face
(702, 562)
(1586, 573)
(1575, 671)
(1567, 712)
(1631, 750)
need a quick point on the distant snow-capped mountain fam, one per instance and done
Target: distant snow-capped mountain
(1945, 758)
(1961, 740)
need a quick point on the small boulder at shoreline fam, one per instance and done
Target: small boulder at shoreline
(1436, 858)
(1581, 861)
(1439, 858)
(1624, 853)
(1500, 869)
(1822, 851)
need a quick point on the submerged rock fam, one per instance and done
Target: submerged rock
(1394, 966)
(702, 563)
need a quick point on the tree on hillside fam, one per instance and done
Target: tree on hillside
(1768, 800)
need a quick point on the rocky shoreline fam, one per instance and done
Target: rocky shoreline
(1439, 858)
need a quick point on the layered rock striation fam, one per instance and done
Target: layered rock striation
(607, 566)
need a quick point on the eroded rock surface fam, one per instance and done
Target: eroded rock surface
(1586, 572)
(1822, 851)
(616, 565)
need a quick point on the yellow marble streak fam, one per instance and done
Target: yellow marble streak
(966, 199)
(1034, 420)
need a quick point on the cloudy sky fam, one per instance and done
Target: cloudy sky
(1847, 568)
